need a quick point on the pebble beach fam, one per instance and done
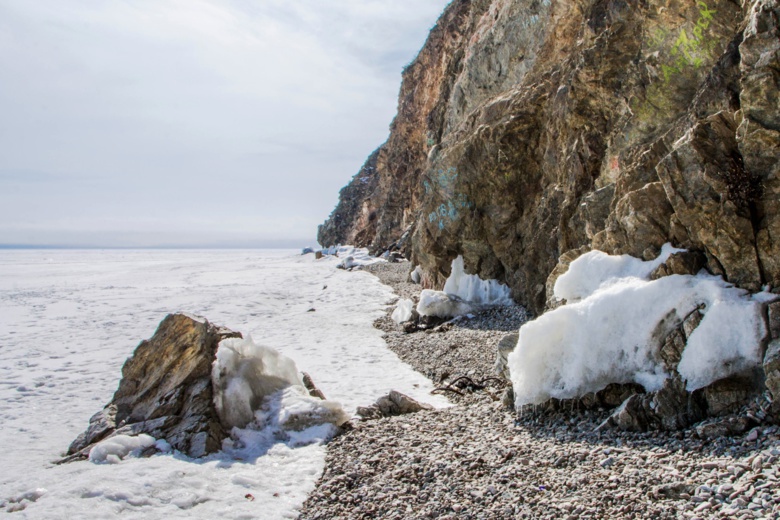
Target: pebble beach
(480, 460)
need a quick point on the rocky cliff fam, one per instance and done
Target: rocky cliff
(530, 131)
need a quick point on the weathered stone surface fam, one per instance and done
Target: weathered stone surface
(725, 427)
(772, 371)
(728, 395)
(394, 403)
(505, 347)
(773, 313)
(687, 262)
(308, 382)
(166, 390)
(759, 130)
(672, 349)
(691, 322)
(670, 408)
(710, 192)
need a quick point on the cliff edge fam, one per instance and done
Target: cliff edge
(531, 131)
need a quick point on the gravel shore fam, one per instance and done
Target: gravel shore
(478, 460)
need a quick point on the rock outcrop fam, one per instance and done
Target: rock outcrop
(166, 391)
(530, 128)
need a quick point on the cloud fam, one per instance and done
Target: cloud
(193, 107)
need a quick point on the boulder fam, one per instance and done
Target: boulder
(505, 347)
(166, 390)
(724, 427)
(392, 404)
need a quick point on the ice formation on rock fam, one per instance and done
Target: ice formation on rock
(611, 329)
(462, 293)
(248, 377)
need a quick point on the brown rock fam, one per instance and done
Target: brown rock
(166, 390)
(686, 262)
(672, 349)
(773, 312)
(523, 133)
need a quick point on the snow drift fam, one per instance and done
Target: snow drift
(614, 323)
(462, 293)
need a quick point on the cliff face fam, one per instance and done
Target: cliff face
(530, 131)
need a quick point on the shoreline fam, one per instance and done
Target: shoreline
(479, 460)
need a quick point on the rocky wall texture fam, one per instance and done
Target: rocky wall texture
(527, 129)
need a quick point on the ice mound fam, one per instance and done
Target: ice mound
(403, 311)
(473, 289)
(118, 447)
(609, 330)
(462, 293)
(248, 377)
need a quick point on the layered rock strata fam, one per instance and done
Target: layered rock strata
(166, 391)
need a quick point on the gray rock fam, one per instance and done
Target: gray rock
(505, 347)
(773, 312)
(392, 404)
(772, 371)
(724, 427)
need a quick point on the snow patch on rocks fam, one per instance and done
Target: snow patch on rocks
(611, 329)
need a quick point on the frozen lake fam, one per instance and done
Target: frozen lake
(69, 319)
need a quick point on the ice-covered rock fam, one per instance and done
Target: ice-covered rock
(442, 305)
(416, 275)
(247, 376)
(189, 385)
(616, 321)
(165, 390)
(403, 311)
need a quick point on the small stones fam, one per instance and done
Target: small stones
(479, 460)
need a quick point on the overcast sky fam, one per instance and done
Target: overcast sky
(192, 122)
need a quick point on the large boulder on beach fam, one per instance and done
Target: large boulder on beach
(166, 390)
(193, 382)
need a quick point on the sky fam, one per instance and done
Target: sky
(192, 123)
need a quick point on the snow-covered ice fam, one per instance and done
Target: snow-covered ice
(68, 321)
(609, 330)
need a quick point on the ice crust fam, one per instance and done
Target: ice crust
(462, 294)
(609, 331)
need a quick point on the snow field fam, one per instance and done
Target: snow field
(68, 321)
